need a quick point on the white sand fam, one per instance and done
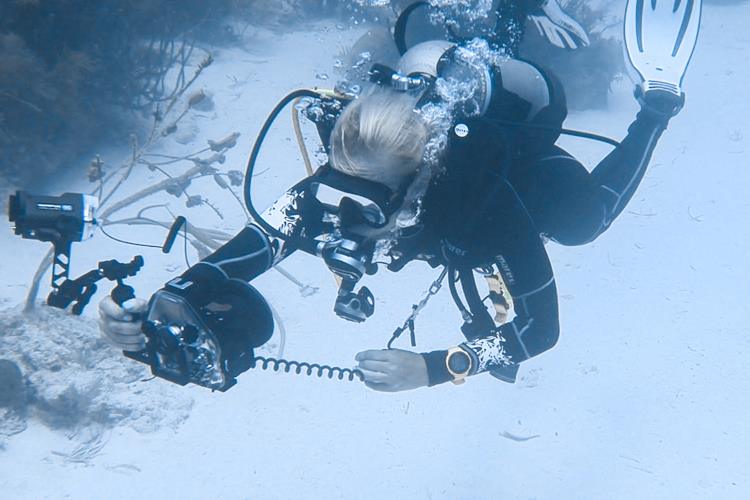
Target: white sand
(644, 396)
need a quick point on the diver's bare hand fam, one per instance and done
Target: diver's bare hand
(120, 325)
(392, 370)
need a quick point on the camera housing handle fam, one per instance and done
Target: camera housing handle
(80, 290)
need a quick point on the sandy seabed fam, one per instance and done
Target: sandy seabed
(644, 396)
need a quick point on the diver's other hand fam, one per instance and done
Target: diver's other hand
(392, 370)
(122, 325)
(558, 27)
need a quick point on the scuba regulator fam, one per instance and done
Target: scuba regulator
(349, 265)
(346, 257)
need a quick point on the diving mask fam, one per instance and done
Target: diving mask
(355, 200)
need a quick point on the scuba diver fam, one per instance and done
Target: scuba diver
(504, 29)
(450, 158)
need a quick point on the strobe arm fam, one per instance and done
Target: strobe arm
(77, 292)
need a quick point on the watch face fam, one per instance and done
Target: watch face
(459, 362)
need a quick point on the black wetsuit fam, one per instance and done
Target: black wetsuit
(505, 217)
(495, 207)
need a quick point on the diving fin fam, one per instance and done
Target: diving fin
(660, 37)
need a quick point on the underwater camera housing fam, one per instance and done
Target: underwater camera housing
(202, 327)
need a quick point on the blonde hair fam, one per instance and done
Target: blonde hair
(379, 137)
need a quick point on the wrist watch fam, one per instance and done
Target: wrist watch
(458, 363)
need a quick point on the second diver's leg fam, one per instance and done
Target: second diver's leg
(561, 197)
(620, 173)
(572, 206)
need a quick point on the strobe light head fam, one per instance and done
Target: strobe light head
(70, 217)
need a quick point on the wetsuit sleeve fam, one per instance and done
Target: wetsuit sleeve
(252, 251)
(527, 272)
(286, 215)
(572, 206)
(534, 330)
(620, 173)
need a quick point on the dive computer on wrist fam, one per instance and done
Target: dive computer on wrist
(458, 363)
